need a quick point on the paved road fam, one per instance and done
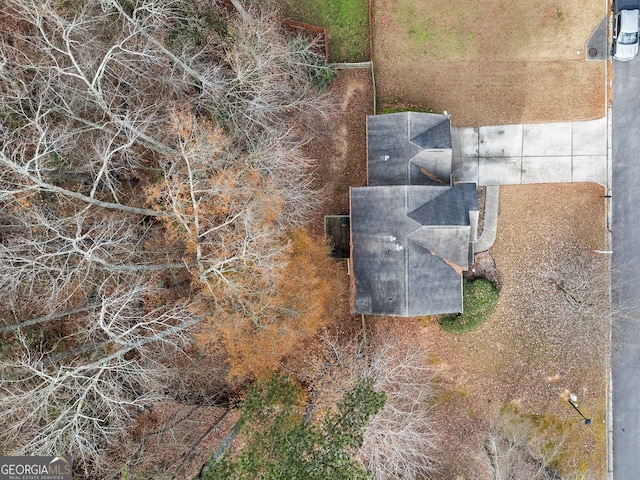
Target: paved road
(625, 341)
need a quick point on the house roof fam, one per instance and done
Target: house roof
(409, 246)
(409, 148)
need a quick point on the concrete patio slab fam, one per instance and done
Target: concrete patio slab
(500, 141)
(547, 139)
(546, 169)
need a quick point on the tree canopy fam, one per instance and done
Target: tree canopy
(151, 172)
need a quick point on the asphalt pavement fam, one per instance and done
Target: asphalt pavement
(625, 271)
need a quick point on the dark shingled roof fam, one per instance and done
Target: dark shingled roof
(429, 130)
(412, 233)
(409, 244)
(409, 148)
(449, 208)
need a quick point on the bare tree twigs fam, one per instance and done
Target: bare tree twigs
(514, 449)
(401, 440)
(138, 142)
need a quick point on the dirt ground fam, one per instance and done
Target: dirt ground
(489, 62)
(340, 146)
(523, 355)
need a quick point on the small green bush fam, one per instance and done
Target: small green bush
(395, 109)
(480, 298)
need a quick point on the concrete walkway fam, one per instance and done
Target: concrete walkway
(531, 153)
(490, 220)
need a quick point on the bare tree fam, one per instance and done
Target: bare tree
(78, 397)
(583, 280)
(514, 449)
(401, 440)
(507, 455)
(573, 302)
(138, 141)
(225, 222)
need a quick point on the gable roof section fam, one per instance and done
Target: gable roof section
(409, 148)
(451, 244)
(408, 248)
(429, 130)
(451, 207)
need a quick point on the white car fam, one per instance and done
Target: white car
(626, 24)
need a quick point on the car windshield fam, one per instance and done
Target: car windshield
(628, 38)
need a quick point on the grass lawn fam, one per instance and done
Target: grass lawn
(489, 63)
(345, 21)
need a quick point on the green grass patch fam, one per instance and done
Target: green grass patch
(441, 42)
(410, 108)
(443, 36)
(569, 431)
(480, 298)
(425, 32)
(447, 395)
(345, 21)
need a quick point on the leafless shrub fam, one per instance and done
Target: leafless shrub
(514, 449)
(583, 280)
(400, 441)
(574, 299)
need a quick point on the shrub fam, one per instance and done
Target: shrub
(480, 298)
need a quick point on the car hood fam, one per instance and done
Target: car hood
(626, 52)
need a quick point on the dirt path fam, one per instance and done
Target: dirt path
(340, 146)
